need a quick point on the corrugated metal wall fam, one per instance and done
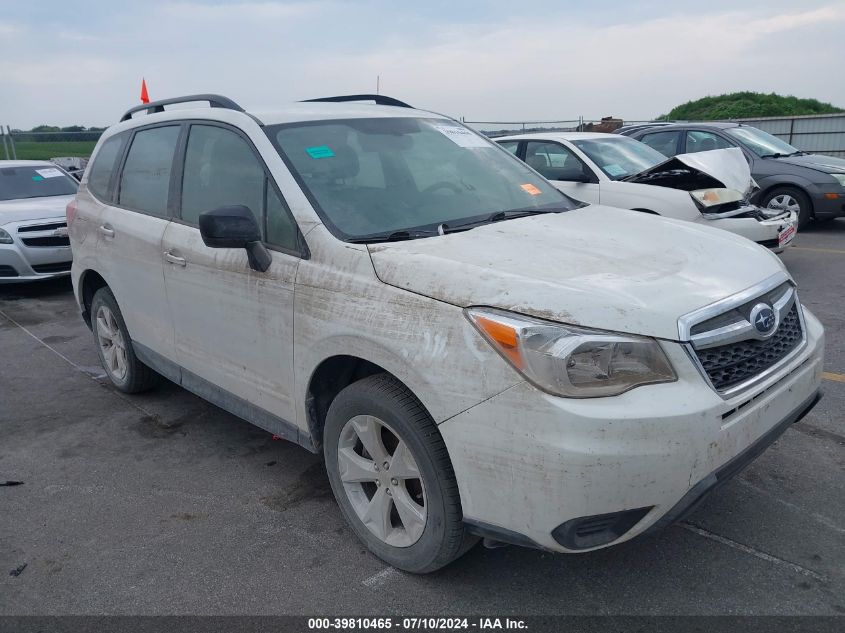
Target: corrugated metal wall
(819, 134)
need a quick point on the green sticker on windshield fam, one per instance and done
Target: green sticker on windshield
(38, 177)
(320, 151)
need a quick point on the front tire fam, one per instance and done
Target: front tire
(790, 199)
(392, 477)
(114, 347)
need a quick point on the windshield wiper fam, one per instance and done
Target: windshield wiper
(498, 216)
(446, 227)
(393, 236)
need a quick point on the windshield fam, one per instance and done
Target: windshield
(760, 142)
(34, 182)
(369, 176)
(619, 157)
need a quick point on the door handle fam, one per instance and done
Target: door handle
(170, 258)
(106, 231)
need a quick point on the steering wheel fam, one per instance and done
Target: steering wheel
(443, 184)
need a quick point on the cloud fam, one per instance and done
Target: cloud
(241, 11)
(485, 62)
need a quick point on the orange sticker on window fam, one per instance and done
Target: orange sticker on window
(531, 189)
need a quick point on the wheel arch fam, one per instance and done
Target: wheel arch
(785, 184)
(90, 281)
(329, 378)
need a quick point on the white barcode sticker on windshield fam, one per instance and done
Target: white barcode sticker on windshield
(461, 136)
(50, 172)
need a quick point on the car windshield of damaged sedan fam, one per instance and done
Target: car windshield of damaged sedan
(762, 143)
(39, 181)
(402, 178)
(619, 157)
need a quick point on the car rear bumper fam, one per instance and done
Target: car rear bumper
(574, 475)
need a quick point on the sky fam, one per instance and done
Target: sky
(81, 62)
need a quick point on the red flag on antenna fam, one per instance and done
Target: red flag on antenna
(145, 98)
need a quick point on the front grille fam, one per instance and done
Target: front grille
(50, 240)
(734, 363)
(61, 267)
(42, 227)
(8, 271)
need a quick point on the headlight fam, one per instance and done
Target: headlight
(714, 197)
(840, 178)
(5, 238)
(571, 361)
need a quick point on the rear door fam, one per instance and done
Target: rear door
(129, 232)
(233, 325)
(566, 171)
(667, 142)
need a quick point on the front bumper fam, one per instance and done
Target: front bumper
(765, 232)
(527, 462)
(20, 263)
(827, 208)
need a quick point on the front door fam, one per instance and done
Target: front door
(233, 325)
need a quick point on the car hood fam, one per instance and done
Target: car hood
(827, 164)
(724, 168)
(33, 208)
(596, 266)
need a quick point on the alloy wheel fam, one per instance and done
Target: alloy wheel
(784, 202)
(112, 344)
(382, 480)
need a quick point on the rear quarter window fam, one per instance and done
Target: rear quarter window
(99, 178)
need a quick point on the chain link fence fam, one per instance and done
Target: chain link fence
(21, 145)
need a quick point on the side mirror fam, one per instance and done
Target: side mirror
(235, 227)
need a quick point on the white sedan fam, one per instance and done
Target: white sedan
(710, 188)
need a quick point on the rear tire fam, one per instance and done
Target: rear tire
(792, 199)
(114, 347)
(409, 516)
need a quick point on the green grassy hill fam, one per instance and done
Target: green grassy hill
(740, 105)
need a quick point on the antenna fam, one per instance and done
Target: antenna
(378, 83)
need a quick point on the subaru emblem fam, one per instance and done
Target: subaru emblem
(764, 319)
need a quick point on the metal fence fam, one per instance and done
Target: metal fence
(494, 129)
(820, 134)
(17, 144)
(817, 133)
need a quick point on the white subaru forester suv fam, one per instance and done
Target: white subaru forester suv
(474, 353)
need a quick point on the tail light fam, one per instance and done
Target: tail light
(70, 212)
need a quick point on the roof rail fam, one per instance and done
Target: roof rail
(378, 99)
(214, 101)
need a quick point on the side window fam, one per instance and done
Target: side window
(511, 146)
(103, 167)
(281, 227)
(554, 161)
(664, 142)
(698, 141)
(145, 180)
(220, 170)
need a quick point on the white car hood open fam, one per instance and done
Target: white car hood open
(597, 266)
(728, 166)
(33, 208)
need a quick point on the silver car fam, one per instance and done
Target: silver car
(33, 228)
